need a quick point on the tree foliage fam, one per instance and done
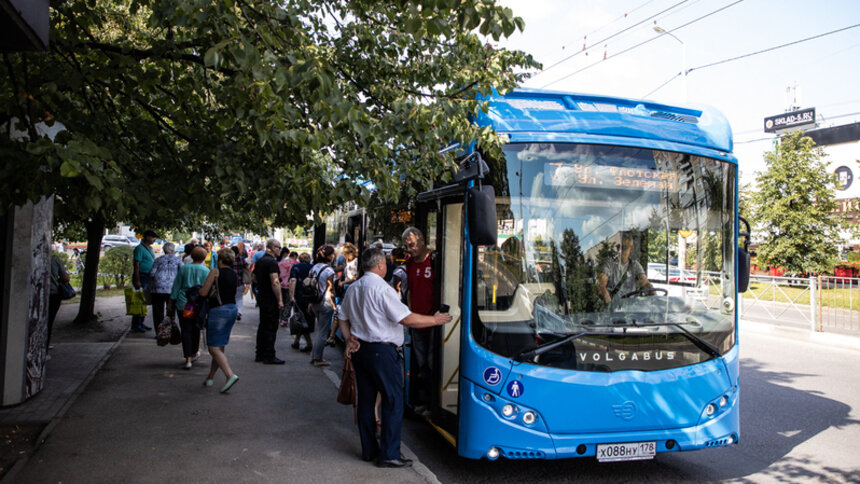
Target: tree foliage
(793, 207)
(248, 113)
(244, 114)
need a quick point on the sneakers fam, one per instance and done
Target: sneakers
(187, 365)
(320, 363)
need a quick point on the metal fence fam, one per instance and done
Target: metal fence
(838, 304)
(786, 299)
(823, 303)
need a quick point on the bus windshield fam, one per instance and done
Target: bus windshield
(608, 258)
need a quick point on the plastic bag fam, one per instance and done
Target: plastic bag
(135, 302)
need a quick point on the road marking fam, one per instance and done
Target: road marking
(417, 465)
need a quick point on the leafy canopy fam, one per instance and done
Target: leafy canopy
(246, 114)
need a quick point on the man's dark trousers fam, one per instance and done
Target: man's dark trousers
(379, 369)
(267, 331)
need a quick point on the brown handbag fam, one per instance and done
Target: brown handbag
(346, 393)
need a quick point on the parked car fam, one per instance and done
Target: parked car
(109, 241)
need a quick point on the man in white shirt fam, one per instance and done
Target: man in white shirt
(370, 318)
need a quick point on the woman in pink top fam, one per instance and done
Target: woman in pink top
(284, 267)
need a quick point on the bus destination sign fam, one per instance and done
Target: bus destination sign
(618, 177)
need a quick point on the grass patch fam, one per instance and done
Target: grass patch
(839, 298)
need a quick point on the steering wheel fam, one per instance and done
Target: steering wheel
(648, 291)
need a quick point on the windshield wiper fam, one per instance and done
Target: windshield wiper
(541, 349)
(699, 342)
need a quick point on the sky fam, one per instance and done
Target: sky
(823, 72)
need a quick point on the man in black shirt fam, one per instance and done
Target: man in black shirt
(269, 299)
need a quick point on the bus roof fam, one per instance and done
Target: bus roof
(524, 113)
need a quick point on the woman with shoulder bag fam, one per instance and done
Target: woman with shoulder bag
(222, 316)
(189, 275)
(298, 273)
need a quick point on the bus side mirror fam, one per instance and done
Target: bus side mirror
(743, 270)
(744, 258)
(483, 227)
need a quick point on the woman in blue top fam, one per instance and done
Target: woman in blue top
(189, 275)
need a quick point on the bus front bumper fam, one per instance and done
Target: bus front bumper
(486, 432)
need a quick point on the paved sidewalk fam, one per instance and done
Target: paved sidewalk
(143, 418)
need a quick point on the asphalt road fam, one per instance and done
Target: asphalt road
(800, 422)
(144, 419)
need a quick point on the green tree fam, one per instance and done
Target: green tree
(793, 206)
(244, 114)
(582, 293)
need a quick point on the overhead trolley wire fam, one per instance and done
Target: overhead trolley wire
(622, 17)
(641, 43)
(616, 34)
(769, 49)
(773, 48)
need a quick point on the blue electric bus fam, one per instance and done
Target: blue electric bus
(592, 272)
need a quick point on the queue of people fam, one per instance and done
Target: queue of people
(370, 305)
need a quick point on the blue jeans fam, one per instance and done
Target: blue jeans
(137, 321)
(240, 297)
(324, 313)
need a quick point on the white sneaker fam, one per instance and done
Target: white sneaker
(187, 365)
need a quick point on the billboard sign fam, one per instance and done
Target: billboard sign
(795, 119)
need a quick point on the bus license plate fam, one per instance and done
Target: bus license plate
(629, 451)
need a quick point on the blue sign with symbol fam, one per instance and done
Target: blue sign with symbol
(516, 388)
(493, 376)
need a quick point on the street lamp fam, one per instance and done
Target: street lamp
(661, 30)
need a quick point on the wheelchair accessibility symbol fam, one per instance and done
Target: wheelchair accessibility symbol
(492, 376)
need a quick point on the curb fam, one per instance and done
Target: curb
(848, 342)
(9, 477)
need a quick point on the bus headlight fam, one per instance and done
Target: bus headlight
(724, 400)
(493, 453)
(508, 410)
(710, 409)
(529, 418)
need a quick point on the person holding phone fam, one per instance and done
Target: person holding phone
(370, 320)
